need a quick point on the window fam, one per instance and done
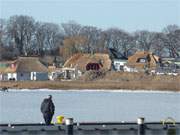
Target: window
(117, 65)
(141, 60)
(121, 67)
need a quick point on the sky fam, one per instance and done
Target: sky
(129, 15)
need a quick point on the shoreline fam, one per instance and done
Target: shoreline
(95, 90)
(94, 85)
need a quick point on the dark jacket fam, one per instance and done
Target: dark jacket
(47, 106)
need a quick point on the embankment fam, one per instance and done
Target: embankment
(112, 80)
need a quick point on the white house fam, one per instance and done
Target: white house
(30, 68)
(71, 73)
(119, 64)
(54, 73)
(8, 70)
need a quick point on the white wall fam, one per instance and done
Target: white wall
(12, 76)
(117, 64)
(1, 77)
(33, 75)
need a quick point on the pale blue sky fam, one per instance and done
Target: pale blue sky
(129, 15)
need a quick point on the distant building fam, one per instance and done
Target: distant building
(30, 68)
(70, 73)
(169, 65)
(118, 60)
(143, 60)
(80, 63)
(8, 70)
(24, 68)
(54, 72)
(119, 64)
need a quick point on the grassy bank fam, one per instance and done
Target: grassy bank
(111, 80)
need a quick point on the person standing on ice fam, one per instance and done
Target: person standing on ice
(47, 109)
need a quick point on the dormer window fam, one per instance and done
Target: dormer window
(141, 60)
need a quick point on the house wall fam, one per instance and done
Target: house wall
(23, 76)
(12, 76)
(3, 77)
(51, 75)
(119, 65)
(33, 75)
(41, 76)
(71, 73)
(150, 61)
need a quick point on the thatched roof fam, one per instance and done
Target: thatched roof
(7, 70)
(30, 64)
(6, 66)
(79, 61)
(24, 64)
(53, 69)
(151, 63)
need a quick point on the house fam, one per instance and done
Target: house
(30, 68)
(177, 62)
(143, 60)
(70, 73)
(119, 64)
(80, 63)
(24, 68)
(54, 72)
(169, 65)
(118, 60)
(7, 70)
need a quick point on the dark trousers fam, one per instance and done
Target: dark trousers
(47, 118)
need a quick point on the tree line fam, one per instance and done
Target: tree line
(24, 36)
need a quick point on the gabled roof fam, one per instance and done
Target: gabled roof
(53, 69)
(79, 61)
(116, 55)
(152, 59)
(24, 64)
(30, 64)
(6, 66)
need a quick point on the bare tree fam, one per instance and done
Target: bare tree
(144, 40)
(159, 44)
(173, 43)
(48, 36)
(21, 35)
(51, 30)
(40, 38)
(71, 28)
(101, 44)
(2, 30)
(170, 28)
(21, 29)
(121, 41)
(93, 36)
(73, 45)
